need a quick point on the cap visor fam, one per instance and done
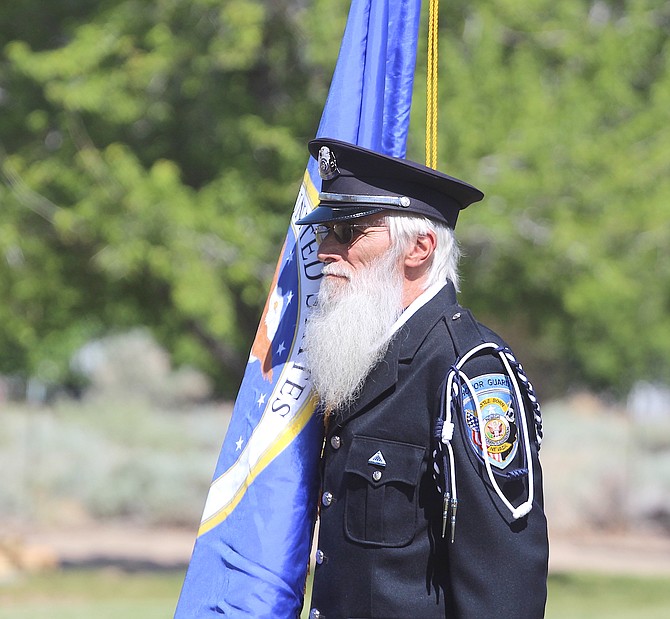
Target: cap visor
(324, 214)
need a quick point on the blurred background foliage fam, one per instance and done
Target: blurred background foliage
(151, 152)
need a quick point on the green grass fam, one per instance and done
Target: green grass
(596, 596)
(86, 594)
(107, 594)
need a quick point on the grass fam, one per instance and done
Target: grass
(596, 596)
(83, 594)
(107, 593)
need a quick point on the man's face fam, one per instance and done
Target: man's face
(360, 298)
(344, 259)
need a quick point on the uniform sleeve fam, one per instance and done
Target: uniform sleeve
(497, 565)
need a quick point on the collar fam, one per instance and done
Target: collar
(416, 305)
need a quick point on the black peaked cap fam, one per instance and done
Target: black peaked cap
(357, 182)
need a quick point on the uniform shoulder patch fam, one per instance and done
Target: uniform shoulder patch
(493, 413)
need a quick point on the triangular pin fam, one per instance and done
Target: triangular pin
(377, 459)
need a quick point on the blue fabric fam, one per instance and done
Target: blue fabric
(252, 551)
(371, 91)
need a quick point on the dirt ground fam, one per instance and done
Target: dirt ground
(623, 553)
(134, 548)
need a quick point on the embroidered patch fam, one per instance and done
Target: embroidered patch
(496, 406)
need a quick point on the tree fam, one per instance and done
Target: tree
(151, 153)
(559, 112)
(153, 156)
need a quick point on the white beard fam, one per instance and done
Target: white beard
(348, 332)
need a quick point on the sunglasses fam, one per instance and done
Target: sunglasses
(344, 233)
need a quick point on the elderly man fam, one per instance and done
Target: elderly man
(431, 501)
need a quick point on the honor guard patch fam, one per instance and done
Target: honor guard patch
(498, 419)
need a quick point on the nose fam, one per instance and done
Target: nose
(330, 250)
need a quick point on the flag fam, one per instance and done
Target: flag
(251, 554)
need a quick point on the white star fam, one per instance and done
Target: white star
(281, 348)
(261, 400)
(289, 258)
(238, 445)
(289, 296)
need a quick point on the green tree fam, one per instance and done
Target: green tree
(560, 113)
(151, 152)
(152, 155)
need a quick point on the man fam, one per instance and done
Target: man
(420, 516)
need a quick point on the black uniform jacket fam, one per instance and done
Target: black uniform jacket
(381, 553)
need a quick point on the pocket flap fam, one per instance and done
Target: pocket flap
(382, 461)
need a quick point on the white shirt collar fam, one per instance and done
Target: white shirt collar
(416, 305)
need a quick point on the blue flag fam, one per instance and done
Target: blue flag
(252, 551)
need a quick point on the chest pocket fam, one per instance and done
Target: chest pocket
(381, 501)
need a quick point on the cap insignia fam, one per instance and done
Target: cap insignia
(327, 164)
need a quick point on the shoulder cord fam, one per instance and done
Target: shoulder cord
(452, 398)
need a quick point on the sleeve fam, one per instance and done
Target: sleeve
(497, 564)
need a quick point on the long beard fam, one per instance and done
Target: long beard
(348, 332)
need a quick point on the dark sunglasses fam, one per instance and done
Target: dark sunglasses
(344, 233)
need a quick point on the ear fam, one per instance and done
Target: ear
(418, 255)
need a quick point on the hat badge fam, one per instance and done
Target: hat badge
(327, 164)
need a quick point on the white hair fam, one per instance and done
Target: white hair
(405, 228)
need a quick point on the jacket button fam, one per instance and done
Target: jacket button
(327, 498)
(320, 557)
(315, 613)
(335, 442)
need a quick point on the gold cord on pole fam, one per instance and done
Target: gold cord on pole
(431, 87)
